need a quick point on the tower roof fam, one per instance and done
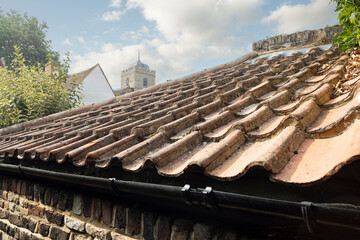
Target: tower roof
(140, 64)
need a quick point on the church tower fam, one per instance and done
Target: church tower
(137, 76)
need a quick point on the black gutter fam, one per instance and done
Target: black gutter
(309, 213)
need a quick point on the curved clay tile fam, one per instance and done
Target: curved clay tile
(272, 155)
(221, 121)
(331, 117)
(205, 154)
(318, 159)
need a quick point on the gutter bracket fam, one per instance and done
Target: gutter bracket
(307, 210)
(185, 192)
(208, 198)
(114, 188)
(20, 170)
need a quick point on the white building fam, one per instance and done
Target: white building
(96, 87)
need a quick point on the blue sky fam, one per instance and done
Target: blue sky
(175, 37)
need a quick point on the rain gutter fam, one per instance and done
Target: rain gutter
(310, 213)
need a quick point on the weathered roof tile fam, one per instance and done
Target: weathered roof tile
(284, 114)
(317, 159)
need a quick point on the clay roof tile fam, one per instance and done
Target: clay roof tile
(279, 114)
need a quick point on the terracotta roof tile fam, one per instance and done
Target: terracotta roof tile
(317, 159)
(284, 114)
(268, 128)
(272, 154)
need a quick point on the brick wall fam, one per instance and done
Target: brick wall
(33, 210)
(304, 38)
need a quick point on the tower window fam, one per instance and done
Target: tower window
(145, 83)
(127, 83)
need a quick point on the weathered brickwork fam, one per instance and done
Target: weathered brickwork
(304, 38)
(31, 210)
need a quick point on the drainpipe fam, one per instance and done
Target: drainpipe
(310, 213)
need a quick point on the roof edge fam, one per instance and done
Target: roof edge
(88, 71)
(241, 59)
(54, 116)
(112, 90)
(339, 215)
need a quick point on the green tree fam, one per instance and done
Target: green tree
(27, 33)
(349, 19)
(28, 92)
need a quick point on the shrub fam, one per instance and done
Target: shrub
(349, 19)
(27, 92)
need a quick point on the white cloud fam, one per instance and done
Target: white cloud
(193, 30)
(67, 42)
(136, 36)
(112, 15)
(114, 59)
(316, 14)
(200, 20)
(81, 40)
(109, 31)
(186, 33)
(115, 3)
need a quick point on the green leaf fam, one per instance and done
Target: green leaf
(28, 92)
(349, 19)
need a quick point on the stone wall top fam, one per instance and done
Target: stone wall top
(298, 39)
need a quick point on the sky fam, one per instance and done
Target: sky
(175, 37)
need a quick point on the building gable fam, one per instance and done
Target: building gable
(96, 87)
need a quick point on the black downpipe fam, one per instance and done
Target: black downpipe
(310, 213)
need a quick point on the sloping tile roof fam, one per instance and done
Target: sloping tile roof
(283, 114)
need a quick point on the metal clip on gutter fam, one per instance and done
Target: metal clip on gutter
(113, 187)
(185, 192)
(308, 216)
(208, 198)
(20, 170)
(205, 196)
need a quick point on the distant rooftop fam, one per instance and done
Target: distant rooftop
(140, 64)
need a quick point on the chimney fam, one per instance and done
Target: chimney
(2, 62)
(52, 67)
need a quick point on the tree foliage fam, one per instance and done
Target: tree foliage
(27, 33)
(28, 92)
(349, 19)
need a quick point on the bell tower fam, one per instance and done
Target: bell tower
(137, 76)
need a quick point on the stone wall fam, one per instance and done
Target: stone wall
(32, 210)
(122, 91)
(135, 76)
(309, 37)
